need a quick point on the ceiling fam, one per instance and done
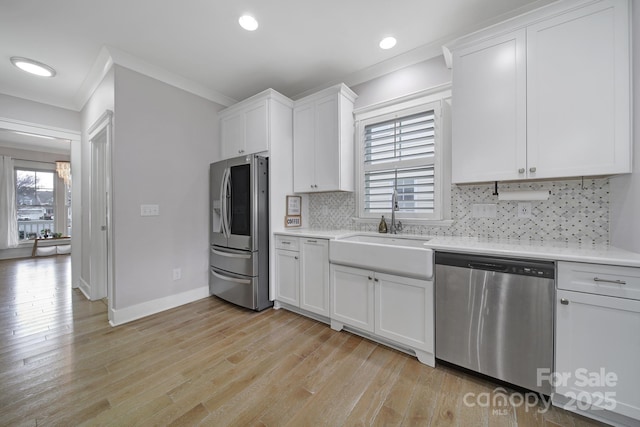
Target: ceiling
(299, 45)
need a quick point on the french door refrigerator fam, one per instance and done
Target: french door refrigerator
(239, 237)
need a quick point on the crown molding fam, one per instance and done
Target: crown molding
(110, 56)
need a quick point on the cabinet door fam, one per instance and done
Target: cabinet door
(489, 110)
(598, 336)
(303, 148)
(287, 277)
(256, 128)
(578, 93)
(231, 135)
(404, 311)
(314, 276)
(352, 296)
(327, 145)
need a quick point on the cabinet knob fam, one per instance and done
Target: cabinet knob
(376, 280)
(564, 301)
(370, 278)
(533, 169)
(521, 170)
(295, 257)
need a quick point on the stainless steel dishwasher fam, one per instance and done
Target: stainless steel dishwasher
(495, 316)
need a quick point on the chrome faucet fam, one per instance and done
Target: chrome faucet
(394, 207)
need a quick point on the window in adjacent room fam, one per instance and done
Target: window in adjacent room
(35, 202)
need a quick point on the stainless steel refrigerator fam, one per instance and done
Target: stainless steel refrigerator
(239, 238)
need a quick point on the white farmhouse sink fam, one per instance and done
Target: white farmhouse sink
(400, 255)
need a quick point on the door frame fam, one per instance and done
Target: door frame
(103, 125)
(76, 189)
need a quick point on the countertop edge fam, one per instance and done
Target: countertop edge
(608, 255)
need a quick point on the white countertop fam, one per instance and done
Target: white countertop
(548, 250)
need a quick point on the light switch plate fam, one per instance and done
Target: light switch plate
(149, 210)
(484, 210)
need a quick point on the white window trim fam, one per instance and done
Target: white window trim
(436, 99)
(60, 206)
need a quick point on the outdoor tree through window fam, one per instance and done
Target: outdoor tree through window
(35, 202)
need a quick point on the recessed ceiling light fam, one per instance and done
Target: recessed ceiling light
(387, 43)
(33, 67)
(248, 22)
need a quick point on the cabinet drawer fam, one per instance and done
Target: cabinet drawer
(287, 243)
(615, 281)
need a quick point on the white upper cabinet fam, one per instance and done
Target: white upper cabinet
(246, 127)
(489, 111)
(545, 95)
(323, 148)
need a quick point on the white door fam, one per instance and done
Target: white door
(98, 232)
(578, 91)
(327, 145)
(303, 148)
(404, 310)
(352, 296)
(489, 110)
(287, 277)
(597, 337)
(314, 276)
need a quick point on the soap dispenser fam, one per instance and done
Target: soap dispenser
(382, 228)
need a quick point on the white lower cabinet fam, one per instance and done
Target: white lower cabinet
(287, 276)
(314, 276)
(598, 342)
(398, 309)
(302, 273)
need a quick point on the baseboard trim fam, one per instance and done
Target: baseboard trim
(138, 311)
(84, 288)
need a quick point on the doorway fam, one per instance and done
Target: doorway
(101, 259)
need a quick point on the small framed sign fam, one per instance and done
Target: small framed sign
(294, 205)
(291, 221)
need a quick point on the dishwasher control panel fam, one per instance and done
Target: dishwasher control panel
(521, 267)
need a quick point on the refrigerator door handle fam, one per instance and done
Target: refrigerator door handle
(230, 279)
(224, 187)
(242, 254)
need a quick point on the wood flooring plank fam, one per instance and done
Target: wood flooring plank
(212, 363)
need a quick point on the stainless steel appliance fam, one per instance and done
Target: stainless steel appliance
(495, 316)
(239, 221)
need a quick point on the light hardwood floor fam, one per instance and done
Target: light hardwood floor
(211, 363)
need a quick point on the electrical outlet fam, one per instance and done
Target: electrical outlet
(149, 210)
(484, 210)
(524, 210)
(177, 274)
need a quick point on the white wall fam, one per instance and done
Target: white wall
(421, 76)
(38, 113)
(101, 100)
(164, 140)
(625, 189)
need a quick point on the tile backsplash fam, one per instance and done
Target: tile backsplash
(577, 212)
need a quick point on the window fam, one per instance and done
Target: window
(400, 149)
(35, 202)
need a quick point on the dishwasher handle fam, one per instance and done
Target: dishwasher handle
(488, 267)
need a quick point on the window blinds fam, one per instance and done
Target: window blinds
(400, 154)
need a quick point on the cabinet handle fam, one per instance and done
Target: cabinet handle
(286, 243)
(564, 301)
(617, 282)
(312, 241)
(533, 169)
(521, 170)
